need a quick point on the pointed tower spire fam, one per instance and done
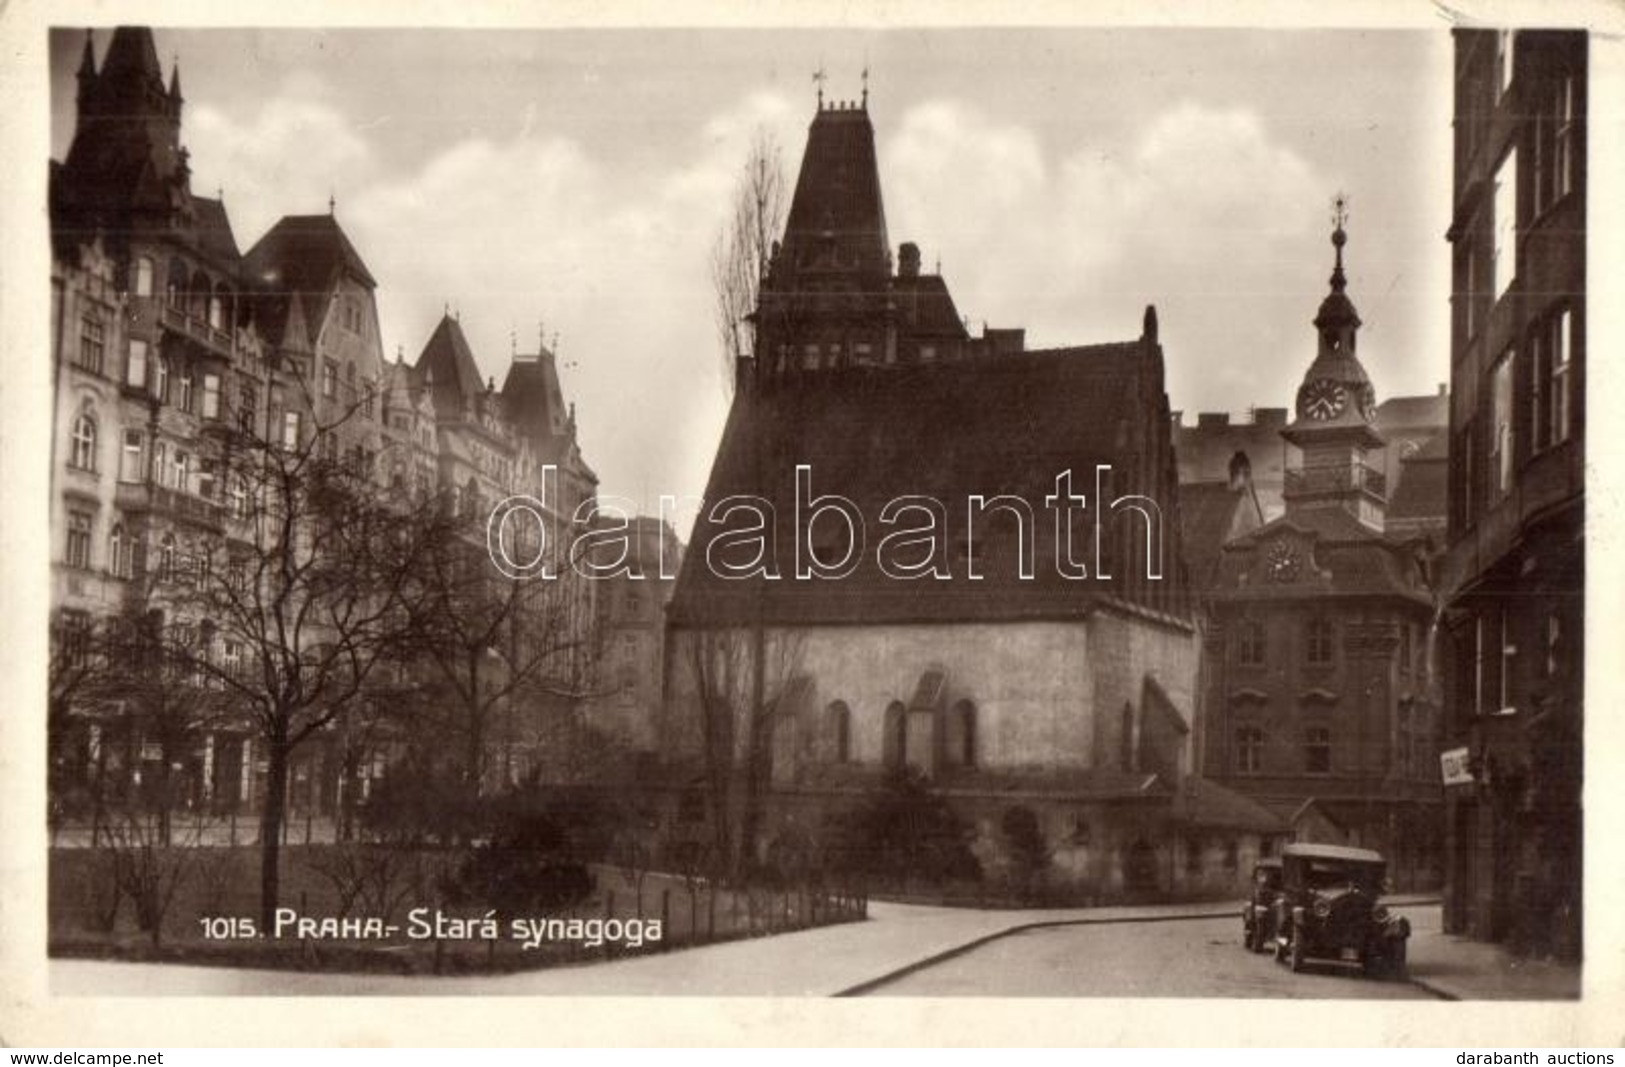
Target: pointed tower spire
(175, 79)
(87, 60)
(1336, 406)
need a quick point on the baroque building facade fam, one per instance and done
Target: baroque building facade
(1320, 691)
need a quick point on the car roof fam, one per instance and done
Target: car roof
(1333, 852)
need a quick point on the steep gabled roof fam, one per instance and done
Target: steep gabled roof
(449, 365)
(837, 199)
(997, 424)
(532, 396)
(214, 234)
(302, 258)
(1211, 513)
(925, 308)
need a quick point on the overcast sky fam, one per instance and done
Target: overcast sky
(1064, 178)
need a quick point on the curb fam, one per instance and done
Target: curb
(888, 977)
(1431, 989)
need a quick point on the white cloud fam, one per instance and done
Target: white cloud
(286, 157)
(1074, 249)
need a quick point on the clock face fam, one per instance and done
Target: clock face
(1323, 399)
(1282, 562)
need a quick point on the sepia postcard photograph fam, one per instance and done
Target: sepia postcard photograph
(1024, 509)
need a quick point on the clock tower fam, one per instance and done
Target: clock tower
(1334, 412)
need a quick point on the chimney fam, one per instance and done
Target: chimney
(908, 260)
(1212, 420)
(1444, 389)
(1275, 417)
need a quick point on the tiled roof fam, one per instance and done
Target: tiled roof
(1209, 513)
(301, 258)
(214, 234)
(1202, 802)
(448, 364)
(837, 197)
(925, 308)
(998, 424)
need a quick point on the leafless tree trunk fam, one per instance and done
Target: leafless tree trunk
(742, 251)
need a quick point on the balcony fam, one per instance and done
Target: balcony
(136, 497)
(1329, 481)
(180, 321)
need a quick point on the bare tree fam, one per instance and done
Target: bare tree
(493, 645)
(744, 248)
(746, 684)
(312, 589)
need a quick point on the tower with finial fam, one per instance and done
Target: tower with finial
(1336, 406)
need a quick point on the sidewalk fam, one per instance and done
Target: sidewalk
(1456, 968)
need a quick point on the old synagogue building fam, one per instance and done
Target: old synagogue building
(946, 553)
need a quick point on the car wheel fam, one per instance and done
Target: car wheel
(1296, 952)
(1396, 961)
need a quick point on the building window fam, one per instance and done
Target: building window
(330, 378)
(1501, 445)
(1250, 643)
(290, 430)
(894, 743)
(1509, 652)
(211, 396)
(92, 344)
(78, 554)
(1472, 291)
(1317, 750)
(1560, 347)
(185, 403)
(1563, 141)
(143, 277)
(1503, 61)
(962, 734)
(838, 723)
(166, 559)
(1318, 641)
(160, 462)
(130, 468)
(1554, 635)
(367, 396)
(206, 479)
(1504, 261)
(183, 471)
(1249, 750)
(121, 552)
(160, 380)
(238, 498)
(247, 401)
(135, 368)
(73, 635)
(82, 454)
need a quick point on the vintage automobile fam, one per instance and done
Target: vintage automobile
(1328, 909)
(1258, 914)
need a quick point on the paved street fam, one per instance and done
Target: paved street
(1191, 958)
